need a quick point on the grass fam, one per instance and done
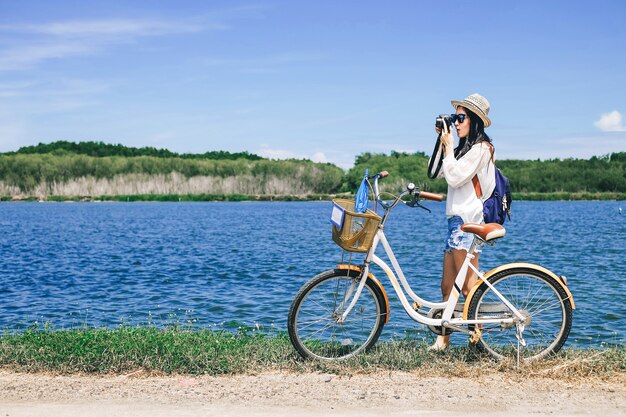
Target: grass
(181, 351)
(172, 197)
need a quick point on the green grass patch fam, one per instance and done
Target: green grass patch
(173, 198)
(181, 351)
(145, 348)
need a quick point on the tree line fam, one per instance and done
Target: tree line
(28, 172)
(99, 149)
(602, 174)
(45, 166)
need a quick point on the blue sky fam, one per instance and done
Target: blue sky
(323, 80)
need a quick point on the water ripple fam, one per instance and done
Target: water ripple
(224, 264)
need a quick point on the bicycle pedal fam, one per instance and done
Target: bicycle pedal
(475, 336)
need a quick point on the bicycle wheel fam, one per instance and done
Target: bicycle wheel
(542, 301)
(313, 323)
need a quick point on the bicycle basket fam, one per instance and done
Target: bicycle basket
(357, 230)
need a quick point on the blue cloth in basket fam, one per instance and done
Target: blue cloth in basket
(362, 195)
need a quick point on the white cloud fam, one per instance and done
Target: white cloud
(107, 27)
(610, 122)
(28, 56)
(271, 153)
(276, 153)
(15, 89)
(30, 98)
(319, 157)
(34, 44)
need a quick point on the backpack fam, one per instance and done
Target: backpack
(497, 208)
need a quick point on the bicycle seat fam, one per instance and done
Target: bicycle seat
(487, 232)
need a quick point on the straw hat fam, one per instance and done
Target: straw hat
(476, 103)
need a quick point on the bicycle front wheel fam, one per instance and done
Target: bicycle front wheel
(315, 326)
(542, 301)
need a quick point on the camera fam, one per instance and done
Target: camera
(441, 119)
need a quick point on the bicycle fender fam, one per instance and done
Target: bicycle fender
(375, 280)
(501, 268)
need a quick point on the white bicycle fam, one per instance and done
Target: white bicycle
(518, 310)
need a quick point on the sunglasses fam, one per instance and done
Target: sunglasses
(459, 117)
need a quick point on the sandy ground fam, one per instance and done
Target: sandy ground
(285, 394)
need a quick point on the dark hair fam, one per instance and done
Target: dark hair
(476, 134)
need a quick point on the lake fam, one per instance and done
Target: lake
(229, 265)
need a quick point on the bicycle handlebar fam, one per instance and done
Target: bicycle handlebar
(410, 190)
(430, 196)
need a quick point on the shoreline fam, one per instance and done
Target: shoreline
(555, 196)
(392, 393)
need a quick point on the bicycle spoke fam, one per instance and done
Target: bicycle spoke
(315, 327)
(307, 324)
(539, 300)
(555, 305)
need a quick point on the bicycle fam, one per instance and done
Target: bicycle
(517, 310)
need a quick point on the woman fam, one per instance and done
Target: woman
(471, 158)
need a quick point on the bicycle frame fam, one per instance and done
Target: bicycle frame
(396, 274)
(403, 286)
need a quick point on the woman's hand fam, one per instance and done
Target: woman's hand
(447, 140)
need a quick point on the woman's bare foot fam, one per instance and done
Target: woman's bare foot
(441, 343)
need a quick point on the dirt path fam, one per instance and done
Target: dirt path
(278, 394)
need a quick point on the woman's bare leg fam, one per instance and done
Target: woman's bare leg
(447, 282)
(470, 278)
(452, 262)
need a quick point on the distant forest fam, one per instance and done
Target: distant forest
(105, 149)
(595, 175)
(96, 169)
(100, 169)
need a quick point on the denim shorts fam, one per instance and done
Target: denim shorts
(458, 239)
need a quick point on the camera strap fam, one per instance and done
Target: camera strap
(436, 160)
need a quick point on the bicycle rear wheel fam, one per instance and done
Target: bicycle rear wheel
(313, 323)
(541, 300)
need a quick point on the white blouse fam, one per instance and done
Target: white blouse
(461, 199)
